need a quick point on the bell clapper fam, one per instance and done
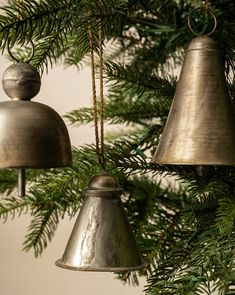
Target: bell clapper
(21, 182)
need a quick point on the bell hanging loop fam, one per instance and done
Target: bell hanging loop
(200, 128)
(15, 58)
(209, 13)
(102, 239)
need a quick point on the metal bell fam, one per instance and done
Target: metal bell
(102, 239)
(32, 135)
(200, 129)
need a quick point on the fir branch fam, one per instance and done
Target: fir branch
(41, 231)
(194, 268)
(46, 20)
(12, 206)
(132, 98)
(225, 215)
(121, 113)
(131, 76)
(154, 218)
(7, 181)
(49, 50)
(36, 20)
(56, 192)
(154, 5)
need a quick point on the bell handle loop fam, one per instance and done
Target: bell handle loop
(16, 59)
(210, 12)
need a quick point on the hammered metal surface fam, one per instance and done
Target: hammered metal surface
(200, 129)
(32, 135)
(21, 81)
(102, 239)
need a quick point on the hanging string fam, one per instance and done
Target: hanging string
(99, 134)
(207, 5)
(101, 93)
(94, 88)
(17, 5)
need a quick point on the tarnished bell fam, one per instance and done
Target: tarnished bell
(200, 129)
(31, 134)
(101, 239)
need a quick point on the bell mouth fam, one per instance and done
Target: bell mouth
(192, 163)
(59, 263)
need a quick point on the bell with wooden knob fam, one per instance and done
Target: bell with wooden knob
(32, 135)
(102, 239)
(200, 129)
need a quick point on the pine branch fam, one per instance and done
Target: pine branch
(49, 50)
(158, 224)
(154, 5)
(7, 181)
(41, 231)
(12, 206)
(225, 217)
(194, 268)
(132, 98)
(36, 20)
(121, 113)
(132, 77)
(56, 192)
(49, 20)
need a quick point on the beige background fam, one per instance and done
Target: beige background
(22, 274)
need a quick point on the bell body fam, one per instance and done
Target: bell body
(32, 135)
(200, 129)
(102, 239)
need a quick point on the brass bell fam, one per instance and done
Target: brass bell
(32, 135)
(101, 239)
(200, 129)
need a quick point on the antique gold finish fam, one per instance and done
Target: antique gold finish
(32, 135)
(209, 12)
(21, 81)
(200, 129)
(101, 239)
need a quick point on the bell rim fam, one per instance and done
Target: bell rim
(49, 166)
(59, 263)
(193, 163)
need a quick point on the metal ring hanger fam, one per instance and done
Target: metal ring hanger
(209, 11)
(16, 59)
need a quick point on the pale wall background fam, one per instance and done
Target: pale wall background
(21, 273)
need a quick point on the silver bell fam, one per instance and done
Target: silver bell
(102, 239)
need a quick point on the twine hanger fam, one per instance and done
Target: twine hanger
(98, 114)
(17, 5)
(207, 5)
